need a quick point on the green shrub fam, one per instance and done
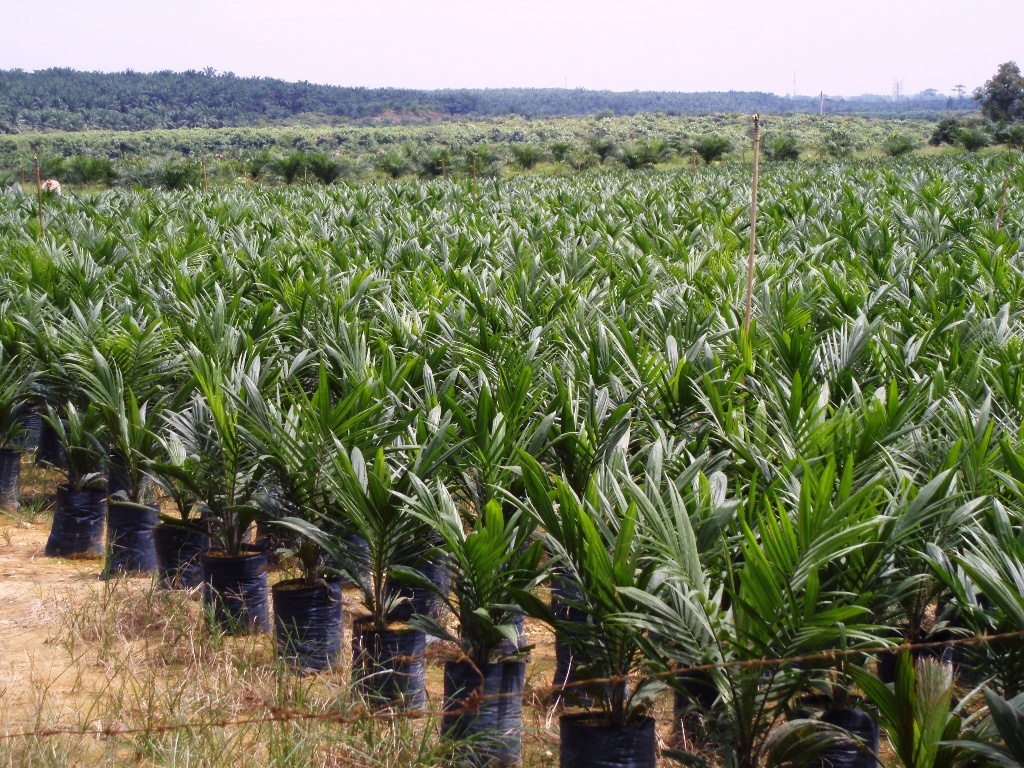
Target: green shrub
(644, 154)
(782, 148)
(526, 156)
(325, 168)
(179, 174)
(837, 142)
(973, 139)
(83, 169)
(945, 132)
(898, 144)
(711, 148)
(289, 167)
(394, 163)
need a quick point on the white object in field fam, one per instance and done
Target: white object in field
(51, 185)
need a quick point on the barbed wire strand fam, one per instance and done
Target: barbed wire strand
(476, 699)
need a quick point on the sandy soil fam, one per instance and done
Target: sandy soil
(34, 669)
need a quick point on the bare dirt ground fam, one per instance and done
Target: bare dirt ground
(34, 669)
(29, 658)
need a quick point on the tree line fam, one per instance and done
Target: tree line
(71, 100)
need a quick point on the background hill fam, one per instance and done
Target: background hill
(70, 100)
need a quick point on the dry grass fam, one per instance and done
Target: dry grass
(83, 653)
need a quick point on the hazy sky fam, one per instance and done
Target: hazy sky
(841, 48)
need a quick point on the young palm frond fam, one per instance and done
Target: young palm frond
(915, 711)
(593, 541)
(220, 470)
(16, 379)
(986, 581)
(492, 565)
(131, 426)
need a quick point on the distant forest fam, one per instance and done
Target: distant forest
(69, 100)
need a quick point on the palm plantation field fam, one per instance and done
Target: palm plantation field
(472, 402)
(321, 152)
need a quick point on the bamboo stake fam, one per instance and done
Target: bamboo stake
(474, 177)
(1002, 201)
(693, 160)
(206, 185)
(39, 199)
(753, 225)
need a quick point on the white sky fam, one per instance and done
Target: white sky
(843, 48)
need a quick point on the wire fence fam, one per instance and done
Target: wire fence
(278, 715)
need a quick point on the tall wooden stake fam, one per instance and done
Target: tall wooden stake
(206, 185)
(693, 160)
(39, 199)
(1002, 202)
(753, 225)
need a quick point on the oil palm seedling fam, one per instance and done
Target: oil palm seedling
(561, 359)
(588, 428)
(325, 168)
(80, 512)
(493, 562)
(526, 156)
(497, 421)
(180, 539)
(371, 500)
(917, 713)
(899, 144)
(773, 593)
(593, 541)
(222, 473)
(435, 162)
(15, 388)
(982, 578)
(289, 167)
(393, 163)
(130, 426)
(711, 148)
(295, 442)
(997, 740)
(644, 154)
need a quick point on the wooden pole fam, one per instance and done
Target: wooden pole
(39, 199)
(753, 226)
(1002, 202)
(474, 177)
(693, 160)
(206, 185)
